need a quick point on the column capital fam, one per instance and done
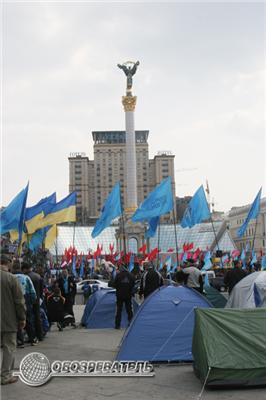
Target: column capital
(129, 102)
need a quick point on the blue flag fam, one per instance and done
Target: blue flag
(153, 223)
(206, 280)
(131, 263)
(35, 214)
(254, 258)
(207, 261)
(81, 270)
(74, 270)
(197, 210)
(184, 258)
(37, 238)
(12, 217)
(159, 202)
(252, 214)
(263, 262)
(92, 266)
(111, 209)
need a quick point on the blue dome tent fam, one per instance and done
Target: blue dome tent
(100, 309)
(162, 329)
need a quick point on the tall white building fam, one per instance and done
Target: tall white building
(94, 179)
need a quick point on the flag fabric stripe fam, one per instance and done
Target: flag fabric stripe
(50, 237)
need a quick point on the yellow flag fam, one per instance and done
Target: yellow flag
(50, 237)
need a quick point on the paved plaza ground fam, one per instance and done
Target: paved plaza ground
(170, 382)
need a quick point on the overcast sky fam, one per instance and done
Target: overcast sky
(200, 88)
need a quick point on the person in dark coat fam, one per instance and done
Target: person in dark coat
(38, 286)
(13, 317)
(124, 284)
(233, 276)
(55, 308)
(150, 281)
(68, 289)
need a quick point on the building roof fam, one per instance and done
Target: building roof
(116, 137)
(201, 235)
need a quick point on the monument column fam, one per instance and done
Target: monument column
(129, 103)
(127, 228)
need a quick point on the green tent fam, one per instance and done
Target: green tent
(229, 346)
(214, 297)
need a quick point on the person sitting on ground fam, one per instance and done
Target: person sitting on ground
(55, 308)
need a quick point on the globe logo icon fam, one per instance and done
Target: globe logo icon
(35, 369)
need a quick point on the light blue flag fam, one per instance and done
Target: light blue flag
(12, 217)
(184, 258)
(74, 269)
(207, 261)
(254, 258)
(81, 270)
(153, 223)
(92, 266)
(243, 258)
(168, 263)
(247, 247)
(206, 280)
(131, 263)
(197, 210)
(111, 209)
(161, 266)
(263, 263)
(117, 258)
(252, 214)
(159, 202)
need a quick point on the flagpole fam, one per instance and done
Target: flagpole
(176, 245)
(123, 226)
(253, 242)
(158, 243)
(216, 240)
(74, 234)
(209, 201)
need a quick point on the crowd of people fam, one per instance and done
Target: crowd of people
(33, 298)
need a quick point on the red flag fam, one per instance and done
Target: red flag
(170, 250)
(185, 247)
(111, 248)
(143, 248)
(190, 246)
(152, 255)
(196, 254)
